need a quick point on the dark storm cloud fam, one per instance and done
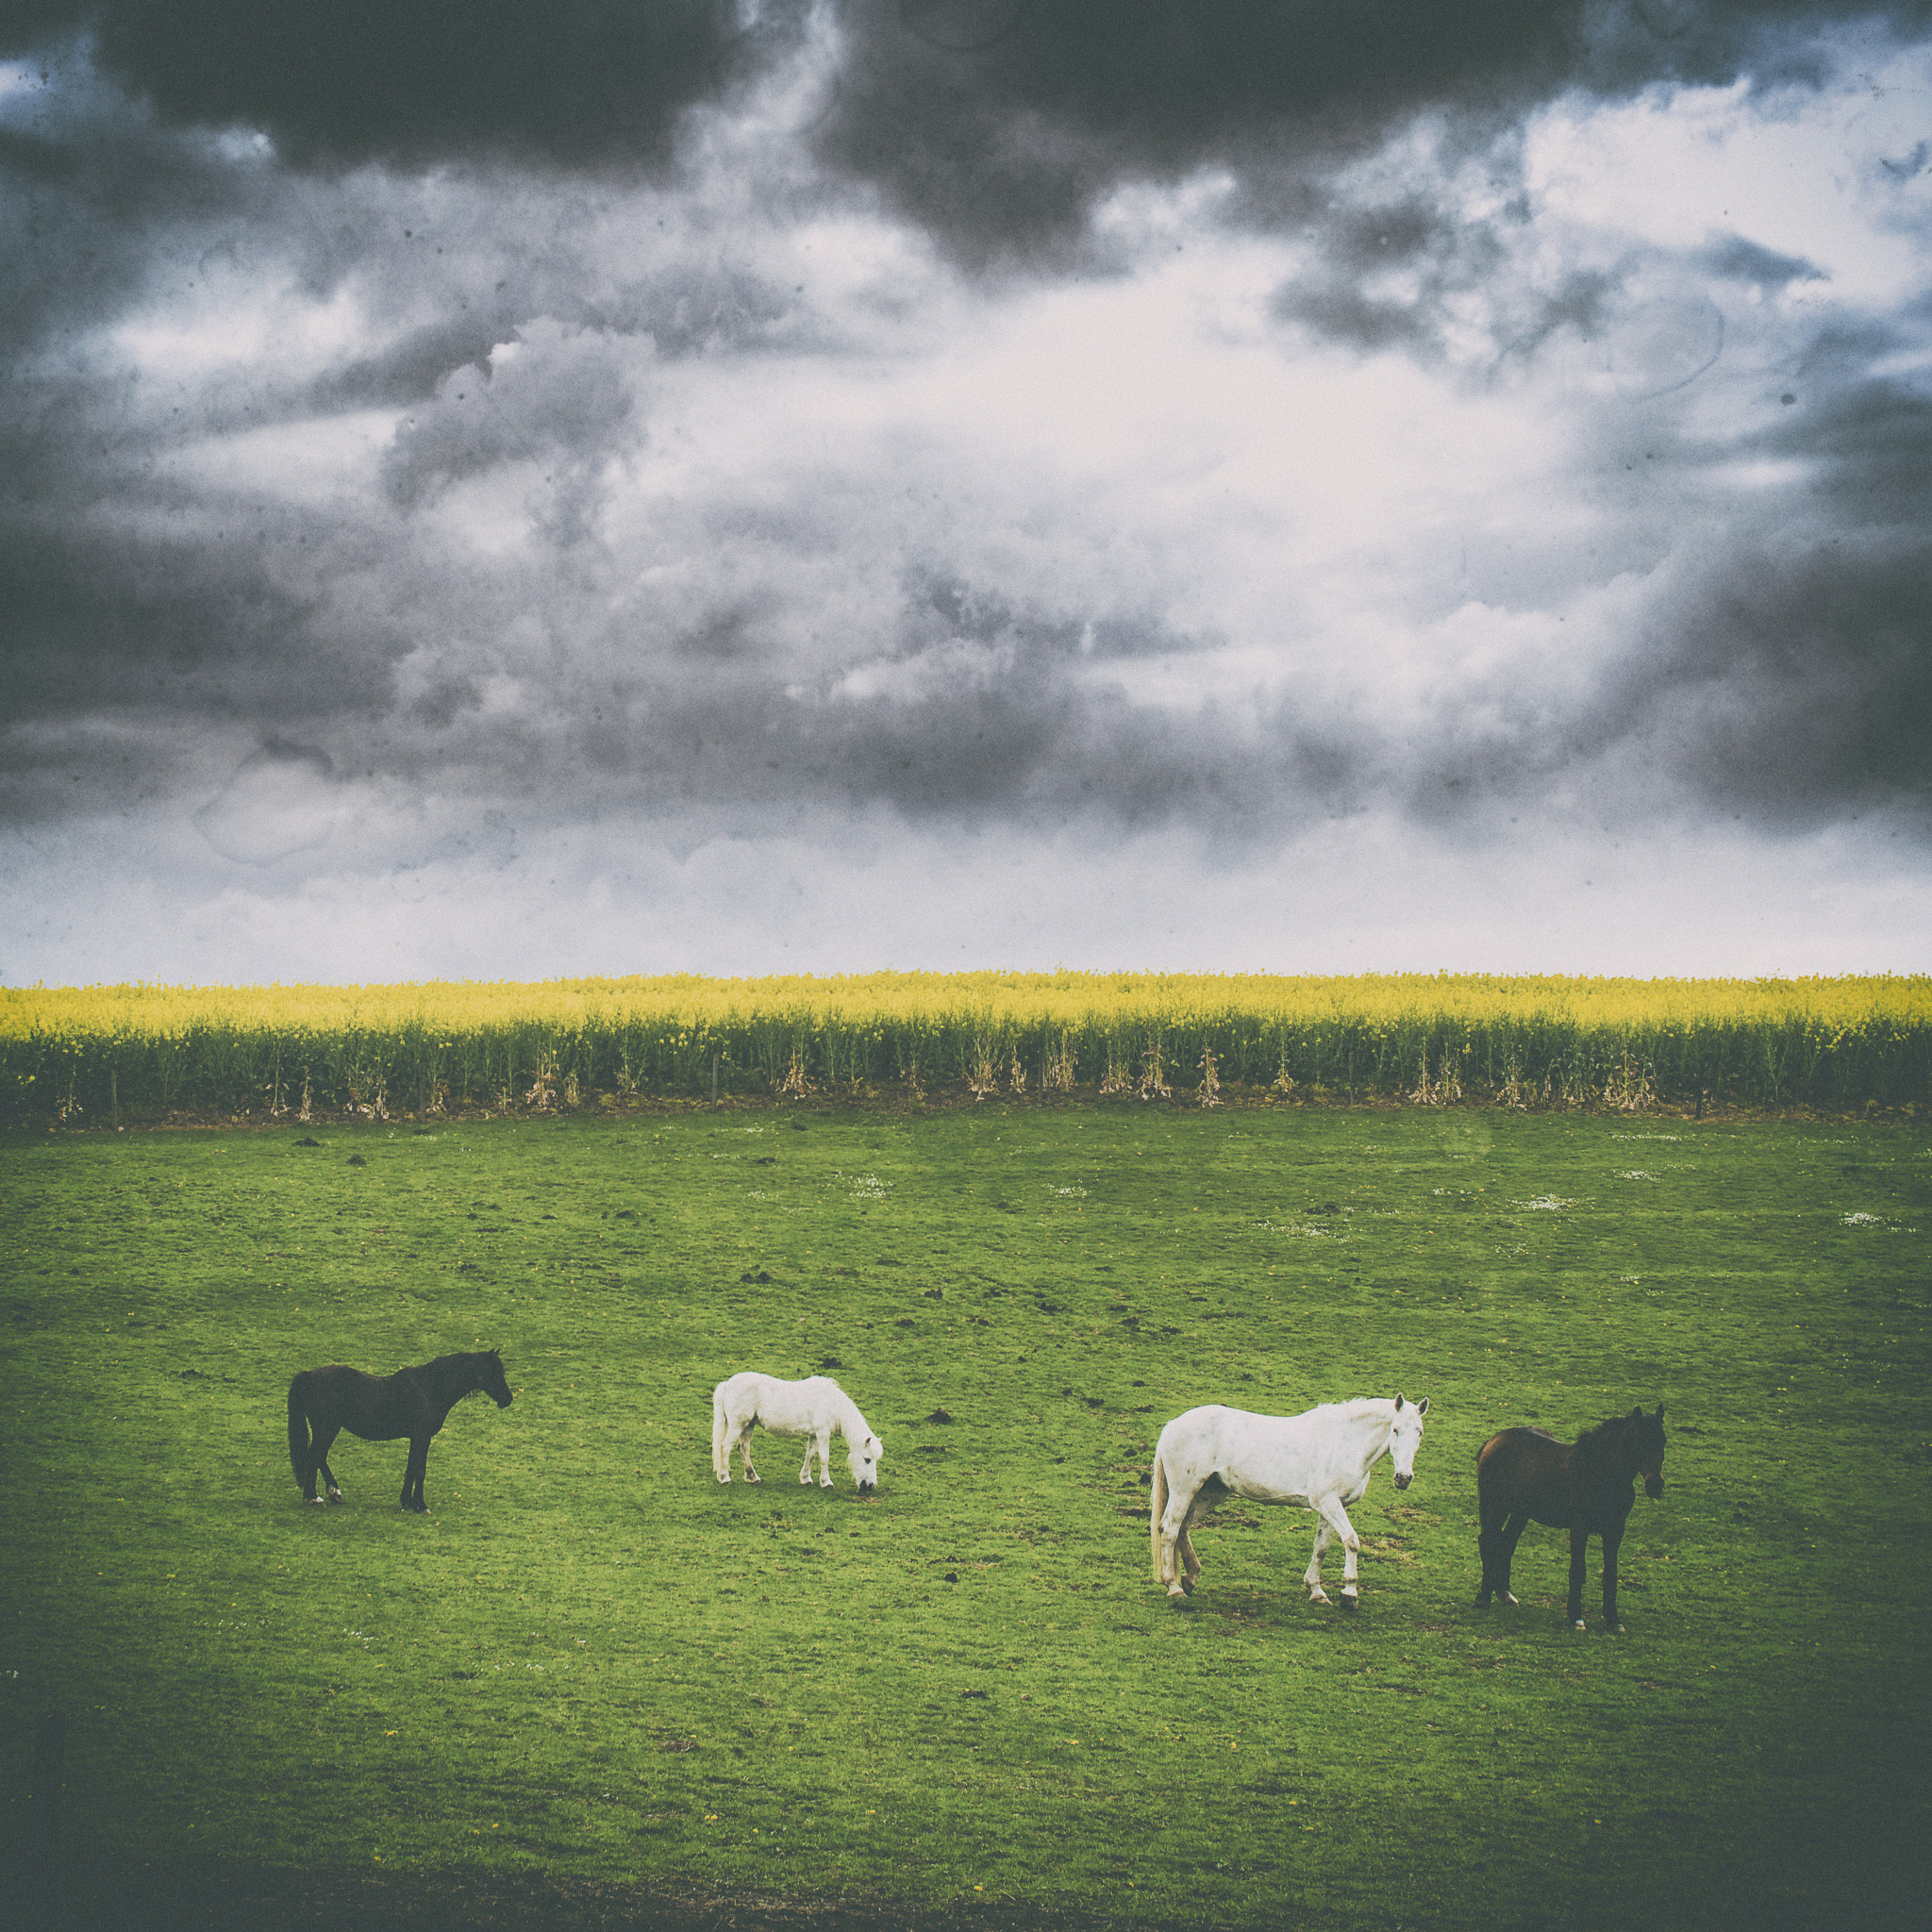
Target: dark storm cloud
(1791, 681)
(997, 125)
(1787, 688)
(230, 631)
(417, 81)
(1797, 689)
(994, 123)
(969, 711)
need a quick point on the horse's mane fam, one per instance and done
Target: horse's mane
(1361, 1408)
(1597, 1446)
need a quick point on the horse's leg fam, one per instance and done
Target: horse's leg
(324, 1441)
(1488, 1539)
(307, 1460)
(824, 1445)
(1611, 1539)
(413, 1473)
(751, 1475)
(1178, 1566)
(1184, 1550)
(1335, 1517)
(1206, 1500)
(1507, 1538)
(1166, 1534)
(1579, 1550)
(1312, 1575)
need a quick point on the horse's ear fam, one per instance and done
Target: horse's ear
(1398, 1405)
(1422, 1407)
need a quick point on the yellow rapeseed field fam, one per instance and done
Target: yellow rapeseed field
(423, 1047)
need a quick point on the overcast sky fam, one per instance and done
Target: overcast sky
(1264, 484)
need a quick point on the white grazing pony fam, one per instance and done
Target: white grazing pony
(1319, 1461)
(815, 1407)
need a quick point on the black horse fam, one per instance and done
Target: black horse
(412, 1402)
(1586, 1487)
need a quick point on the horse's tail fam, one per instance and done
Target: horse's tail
(721, 1457)
(298, 1430)
(1157, 1508)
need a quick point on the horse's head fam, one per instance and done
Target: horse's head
(490, 1378)
(1648, 1449)
(1406, 1437)
(865, 1462)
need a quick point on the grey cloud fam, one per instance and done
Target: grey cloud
(279, 800)
(411, 82)
(1737, 259)
(993, 124)
(999, 132)
(1794, 687)
(549, 392)
(1866, 441)
(158, 631)
(1384, 275)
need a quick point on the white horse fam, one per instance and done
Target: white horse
(1319, 1461)
(816, 1408)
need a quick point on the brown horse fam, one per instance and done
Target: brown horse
(412, 1402)
(1586, 1487)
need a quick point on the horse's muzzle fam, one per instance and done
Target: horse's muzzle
(867, 1489)
(1402, 1482)
(1652, 1487)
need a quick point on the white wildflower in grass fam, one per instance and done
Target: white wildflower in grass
(1646, 1136)
(1546, 1203)
(1635, 1174)
(1862, 1220)
(1070, 1193)
(866, 1186)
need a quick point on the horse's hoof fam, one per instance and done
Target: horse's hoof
(1579, 1625)
(1318, 1595)
(335, 1495)
(318, 1501)
(1177, 1590)
(825, 1482)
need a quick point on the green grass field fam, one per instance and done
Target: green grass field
(591, 1662)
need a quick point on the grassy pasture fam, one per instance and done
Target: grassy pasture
(590, 1661)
